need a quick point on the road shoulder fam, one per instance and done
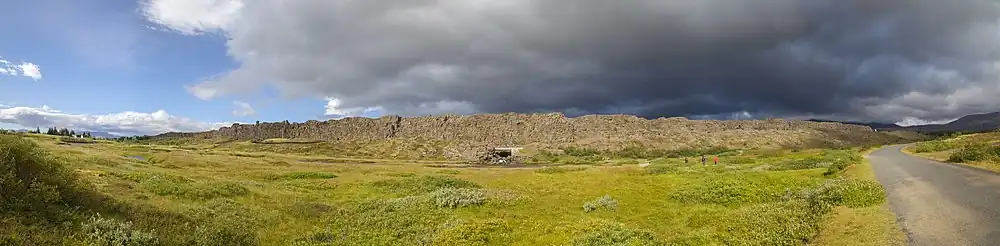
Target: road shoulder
(875, 225)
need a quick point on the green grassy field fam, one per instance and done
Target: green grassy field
(104, 193)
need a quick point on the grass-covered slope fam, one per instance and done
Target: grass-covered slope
(109, 192)
(980, 150)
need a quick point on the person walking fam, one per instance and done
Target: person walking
(715, 159)
(703, 160)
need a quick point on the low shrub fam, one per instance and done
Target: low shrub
(551, 170)
(301, 175)
(251, 155)
(192, 190)
(723, 190)
(597, 232)
(422, 184)
(975, 152)
(449, 172)
(580, 152)
(933, 146)
(224, 222)
(605, 202)
(76, 140)
(776, 223)
(799, 164)
(477, 232)
(33, 183)
(102, 231)
(660, 169)
(404, 221)
(458, 197)
(839, 161)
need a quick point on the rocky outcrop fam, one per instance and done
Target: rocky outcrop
(556, 130)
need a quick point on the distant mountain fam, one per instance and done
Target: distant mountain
(873, 125)
(968, 123)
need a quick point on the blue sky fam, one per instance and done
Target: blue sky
(153, 66)
(103, 57)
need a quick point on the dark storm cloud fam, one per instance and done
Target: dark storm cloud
(850, 59)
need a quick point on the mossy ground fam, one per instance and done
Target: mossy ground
(212, 194)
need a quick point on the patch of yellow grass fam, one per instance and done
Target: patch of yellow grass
(861, 226)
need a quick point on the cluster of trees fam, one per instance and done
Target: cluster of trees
(133, 138)
(65, 132)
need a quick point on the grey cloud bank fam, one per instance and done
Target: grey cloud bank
(887, 61)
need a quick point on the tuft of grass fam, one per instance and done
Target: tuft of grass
(605, 202)
(104, 231)
(422, 184)
(251, 155)
(76, 140)
(301, 175)
(660, 169)
(193, 190)
(598, 232)
(491, 231)
(933, 146)
(446, 171)
(552, 170)
(458, 197)
(975, 152)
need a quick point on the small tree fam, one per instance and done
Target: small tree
(72, 133)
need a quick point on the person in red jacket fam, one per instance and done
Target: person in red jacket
(715, 159)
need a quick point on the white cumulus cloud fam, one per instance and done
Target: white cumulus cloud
(30, 70)
(243, 109)
(123, 123)
(26, 69)
(334, 110)
(192, 17)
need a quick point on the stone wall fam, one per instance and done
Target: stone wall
(554, 129)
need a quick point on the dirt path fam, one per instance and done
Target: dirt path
(938, 203)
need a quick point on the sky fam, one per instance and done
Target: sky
(154, 66)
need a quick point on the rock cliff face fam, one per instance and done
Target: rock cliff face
(463, 132)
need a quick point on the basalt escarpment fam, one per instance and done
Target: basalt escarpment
(470, 132)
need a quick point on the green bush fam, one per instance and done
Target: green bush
(660, 169)
(479, 232)
(422, 184)
(839, 161)
(605, 202)
(551, 170)
(192, 190)
(777, 223)
(449, 171)
(580, 152)
(381, 222)
(933, 146)
(975, 152)
(302, 175)
(32, 183)
(723, 190)
(111, 232)
(799, 164)
(598, 232)
(458, 197)
(224, 222)
(76, 140)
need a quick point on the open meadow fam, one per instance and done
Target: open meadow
(140, 193)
